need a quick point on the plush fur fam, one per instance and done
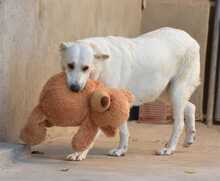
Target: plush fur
(94, 107)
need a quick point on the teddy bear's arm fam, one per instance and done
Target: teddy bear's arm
(34, 131)
(85, 135)
(109, 131)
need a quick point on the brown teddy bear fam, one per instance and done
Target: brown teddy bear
(95, 107)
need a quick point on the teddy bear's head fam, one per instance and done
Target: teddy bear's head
(110, 107)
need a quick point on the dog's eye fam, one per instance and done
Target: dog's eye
(71, 66)
(85, 68)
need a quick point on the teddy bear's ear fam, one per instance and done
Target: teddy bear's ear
(100, 101)
(129, 95)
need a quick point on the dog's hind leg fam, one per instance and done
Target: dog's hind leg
(189, 114)
(181, 89)
(123, 144)
(179, 93)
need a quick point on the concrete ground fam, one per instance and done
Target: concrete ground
(199, 162)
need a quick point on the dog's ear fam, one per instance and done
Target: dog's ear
(101, 56)
(65, 45)
(98, 54)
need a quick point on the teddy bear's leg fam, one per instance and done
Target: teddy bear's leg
(81, 155)
(83, 140)
(123, 144)
(34, 131)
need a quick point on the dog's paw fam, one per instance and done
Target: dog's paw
(117, 152)
(76, 156)
(165, 151)
(190, 139)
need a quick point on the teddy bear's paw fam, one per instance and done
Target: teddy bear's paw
(117, 152)
(76, 156)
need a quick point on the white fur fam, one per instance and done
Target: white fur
(165, 61)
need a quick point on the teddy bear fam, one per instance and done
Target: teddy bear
(93, 108)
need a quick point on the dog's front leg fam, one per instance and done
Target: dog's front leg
(83, 141)
(123, 144)
(81, 155)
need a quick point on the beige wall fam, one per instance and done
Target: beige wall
(31, 30)
(30, 33)
(191, 16)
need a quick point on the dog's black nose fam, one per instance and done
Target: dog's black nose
(75, 87)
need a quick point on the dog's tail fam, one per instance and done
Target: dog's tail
(190, 68)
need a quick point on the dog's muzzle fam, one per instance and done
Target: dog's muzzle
(75, 87)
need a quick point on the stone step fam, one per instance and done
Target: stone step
(10, 153)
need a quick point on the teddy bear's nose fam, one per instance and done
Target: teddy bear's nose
(75, 87)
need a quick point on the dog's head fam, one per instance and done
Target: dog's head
(79, 62)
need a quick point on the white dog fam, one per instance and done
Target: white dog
(162, 63)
